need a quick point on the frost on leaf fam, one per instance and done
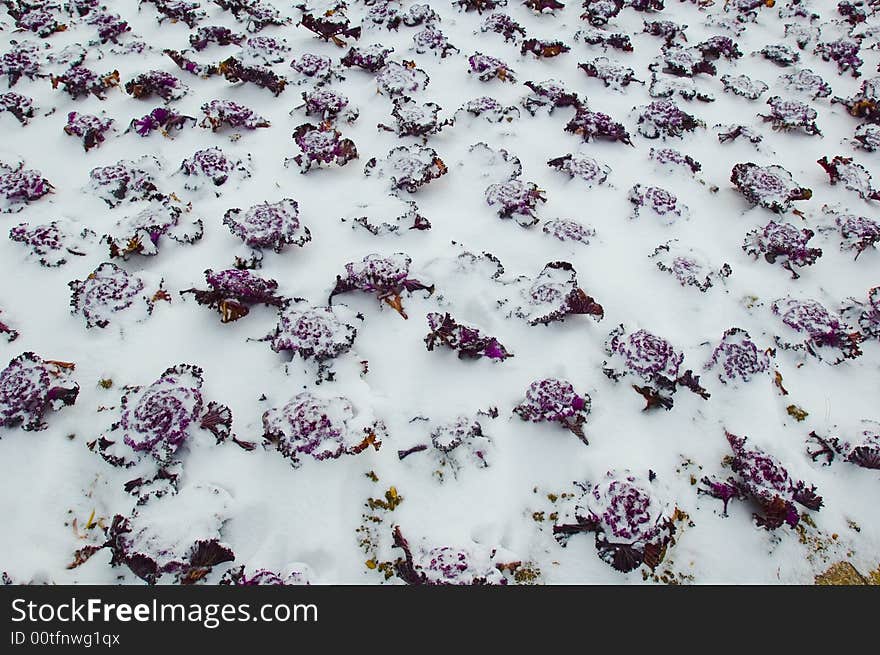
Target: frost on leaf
(488, 68)
(630, 516)
(763, 479)
(109, 290)
(648, 358)
(689, 267)
(232, 292)
(401, 79)
(569, 230)
(408, 167)
(815, 330)
(141, 233)
(386, 277)
(468, 341)
(555, 401)
(590, 125)
(583, 167)
(784, 244)
(737, 358)
(321, 428)
(30, 387)
(866, 314)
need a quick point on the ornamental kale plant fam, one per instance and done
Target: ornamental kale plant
(542, 49)
(126, 181)
(89, 127)
(554, 295)
(807, 82)
(334, 27)
(744, 86)
(569, 230)
(667, 30)
(579, 165)
(321, 428)
(212, 164)
(401, 79)
(683, 62)
(490, 109)
(416, 119)
(190, 66)
(865, 314)
(599, 12)
(30, 387)
(453, 445)
(717, 47)
(141, 233)
(662, 204)
(771, 187)
(232, 292)
(782, 243)
(433, 40)
(268, 225)
(668, 87)
(647, 358)
(479, 6)
(110, 27)
(596, 125)
(80, 81)
(539, 6)
(787, 115)
(671, 160)
(189, 13)
(663, 118)
(857, 233)
(296, 574)
(688, 266)
(22, 107)
(40, 22)
(222, 36)
(322, 145)
(262, 76)
(313, 68)
(867, 137)
(780, 54)
(318, 333)
(386, 277)
(865, 452)
(844, 52)
(264, 50)
(738, 358)
(109, 290)
(632, 522)
(20, 186)
(613, 74)
(218, 112)
(763, 479)
(158, 83)
(447, 565)
(815, 330)
(488, 68)
(408, 167)
(22, 60)
(551, 94)
(328, 105)
(616, 40)
(468, 341)
(556, 401)
(52, 243)
(866, 103)
(516, 199)
(854, 177)
(370, 58)
(163, 119)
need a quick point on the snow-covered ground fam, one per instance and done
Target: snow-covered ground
(496, 496)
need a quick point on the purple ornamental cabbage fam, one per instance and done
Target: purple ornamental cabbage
(312, 67)
(771, 187)
(662, 204)
(490, 109)
(22, 107)
(190, 66)
(125, 181)
(867, 137)
(853, 176)
(31, 386)
(613, 74)
(446, 565)
(652, 360)
(468, 341)
(387, 277)
(864, 452)
(433, 40)
(857, 233)
(416, 119)
(141, 233)
(22, 60)
(542, 49)
(583, 167)
(189, 13)
(262, 76)
(687, 266)
(269, 225)
(596, 125)
(633, 524)
(866, 103)
(744, 86)
(844, 52)
(783, 243)
(80, 81)
(817, 328)
(453, 445)
(488, 68)
(670, 31)
(504, 25)
(222, 36)
(109, 290)
(479, 6)
(671, 160)
(556, 401)
(663, 118)
(760, 477)
(554, 295)
(684, 62)
(598, 12)
(218, 112)
(331, 27)
(807, 82)
(328, 105)
(616, 40)
(866, 314)
(264, 50)
(667, 87)
(569, 230)
(212, 164)
(158, 83)
(322, 145)
(738, 358)
(110, 26)
(53, 242)
(789, 115)
(163, 119)
(296, 575)
(516, 199)
(233, 291)
(401, 79)
(311, 332)
(19, 187)
(408, 167)
(322, 428)
(370, 58)
(551, 94)
(780, 54)
(91, 128)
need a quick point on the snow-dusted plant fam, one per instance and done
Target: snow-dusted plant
(771, 187)
(142, 233)
(30, 387)
(385, 276)
(661, 203)
(555, 401)
(782, 243)
(737, 358)
(52, 243)
(852, 175)
(408, 167)
(322, 144)
(318, 333)
(688, 266)
(469, 342)
(211, 165)
(233, 291)
(553, 295)
(813, 329)
(475, 565)
(109, 290)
